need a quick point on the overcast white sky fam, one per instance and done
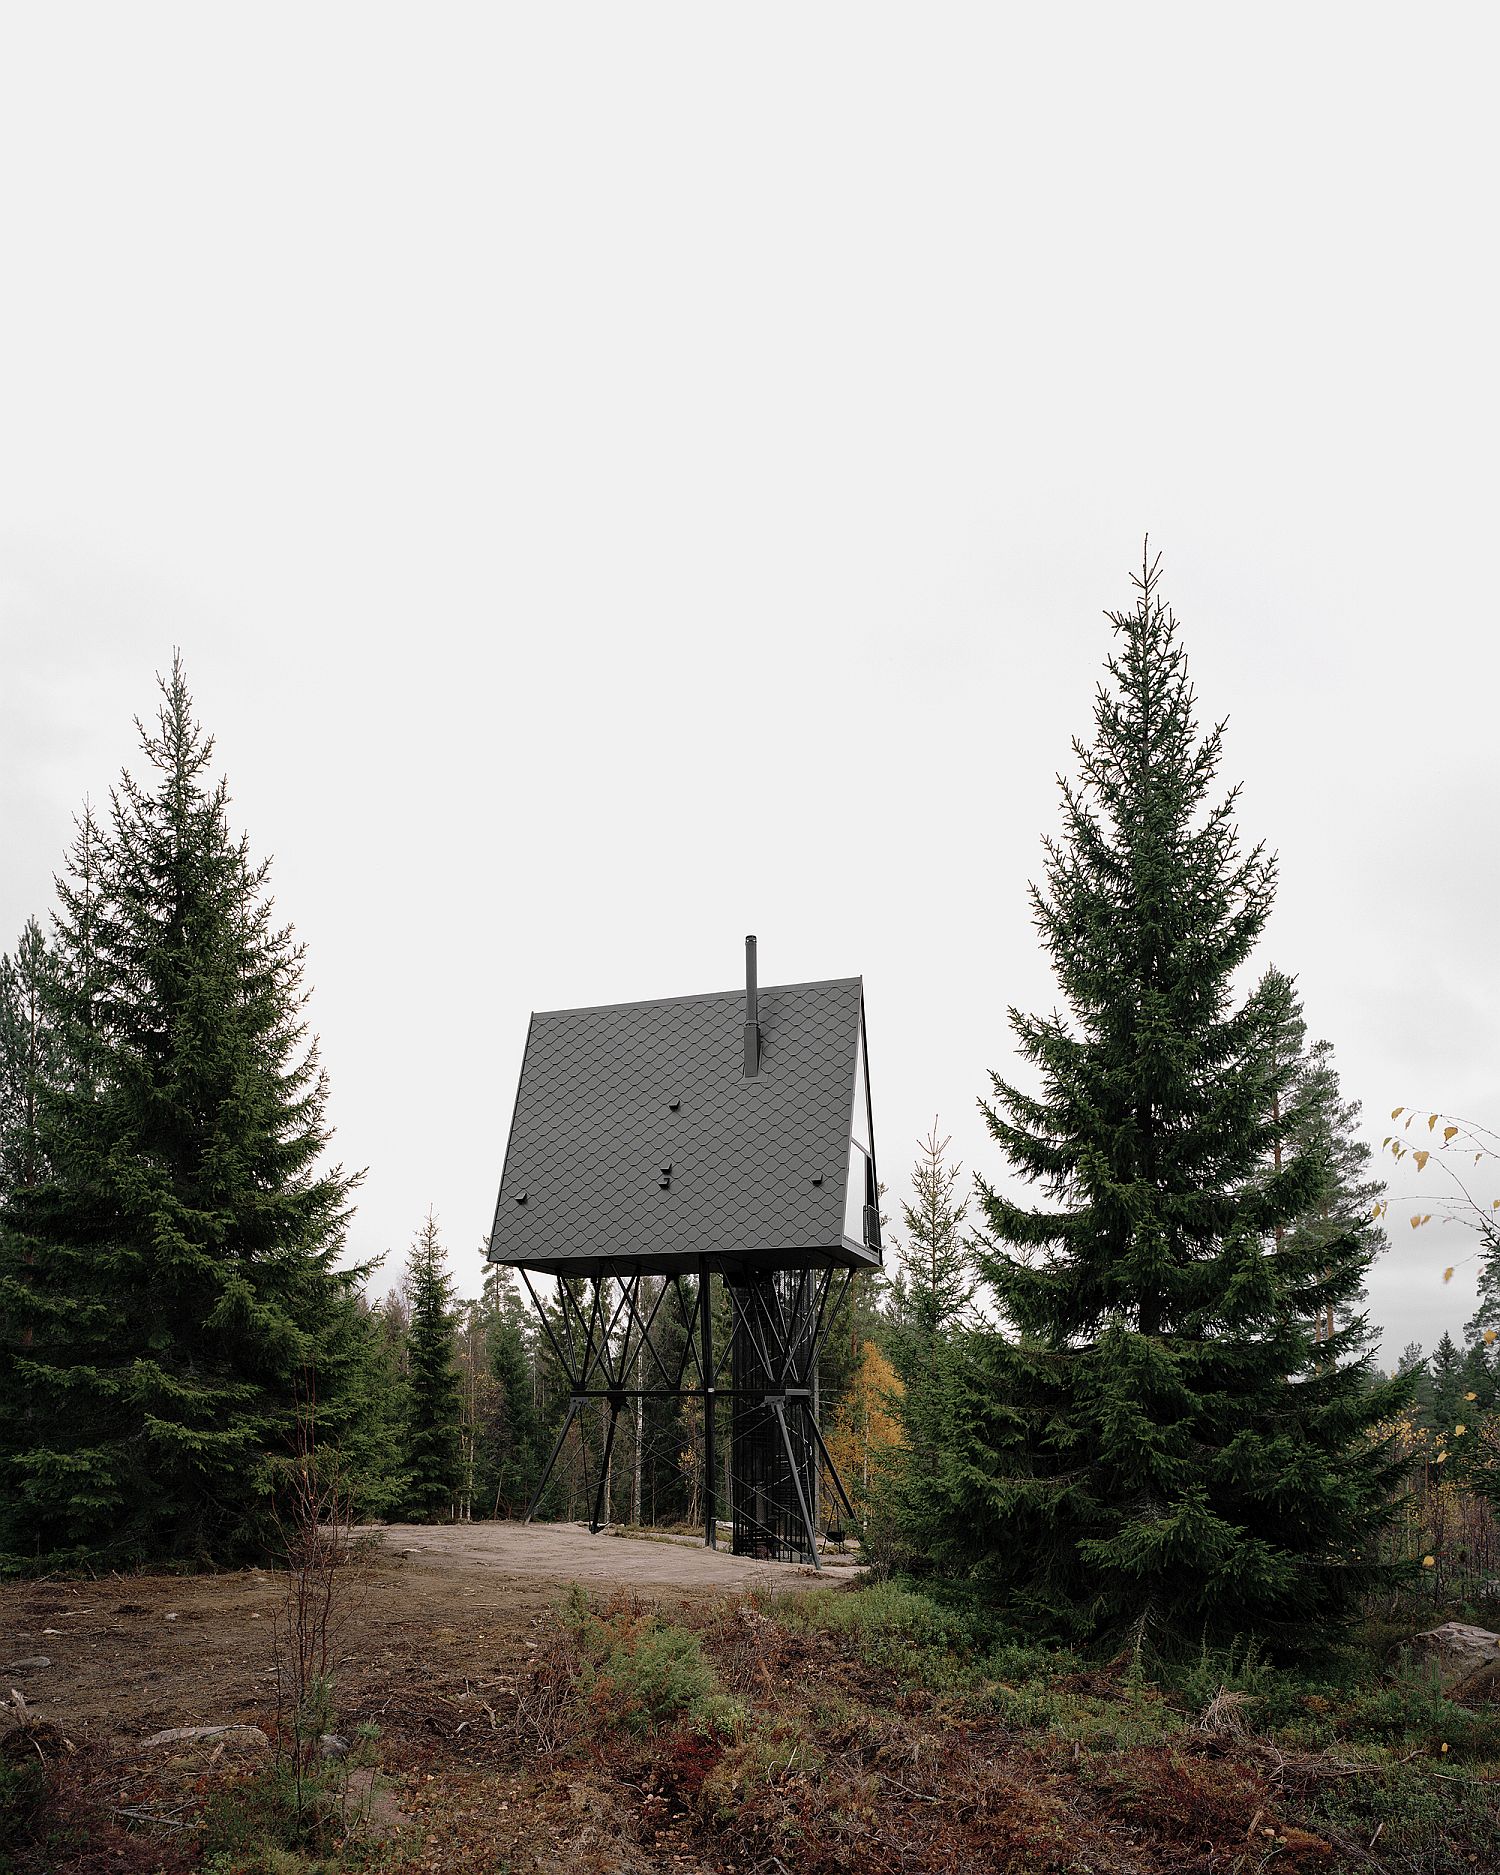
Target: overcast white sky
(626, 477)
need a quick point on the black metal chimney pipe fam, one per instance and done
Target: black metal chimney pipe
(752, 1013)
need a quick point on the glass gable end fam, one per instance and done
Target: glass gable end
(858, 1194)
(860, 1119)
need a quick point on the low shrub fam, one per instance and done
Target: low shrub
(1242, 1667)
(920, 1641)
(266, 1824)
(946, 1646)
(270, 1821)
(1418, 1823)
(1020, 1663)
(1411, 1712)
(639, 1674)
(770, 1757)
(30, 1760)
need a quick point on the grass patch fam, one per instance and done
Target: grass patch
(922, 1642)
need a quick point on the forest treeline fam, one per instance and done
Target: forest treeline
(1126, 1395)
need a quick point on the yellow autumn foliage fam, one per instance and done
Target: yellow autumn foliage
(864, 1428)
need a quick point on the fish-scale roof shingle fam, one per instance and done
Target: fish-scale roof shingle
(610, 1098)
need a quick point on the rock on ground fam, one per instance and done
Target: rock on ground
(194, 1734)
(1466, 1658)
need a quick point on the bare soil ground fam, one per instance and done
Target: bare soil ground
(133, 1655)
(445, 1622)
(847, 1760)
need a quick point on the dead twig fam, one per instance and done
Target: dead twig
(138, 1814)
(919, 1796)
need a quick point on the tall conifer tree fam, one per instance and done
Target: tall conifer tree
(167, 1284)
(1324, 1126)
(1447, 1388)
(29, 1055)
(517, 1449)
(1159, 1451)
(935, 1284)
(930, 1299)
(433, 1388)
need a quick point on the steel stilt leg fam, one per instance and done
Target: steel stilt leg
(597, 1520)
(833, 1470)
(791, 1458)
(552, 1458)
(706, 1354)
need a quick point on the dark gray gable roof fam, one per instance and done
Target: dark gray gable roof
(594, 1126)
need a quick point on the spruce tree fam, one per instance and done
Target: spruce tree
(517, 1450)
(1324, 1126)
(1479, 1382)
(362, 1405)
(1484, 1323)
(433, 1389)
(167, 1283)
(30, 1055)
(1158, 1451)
(930, 1298)
(935, 1283)
(1446, 1369)
(29, 1063)
(1413, 1365)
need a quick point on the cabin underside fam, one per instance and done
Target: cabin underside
(626, 1336)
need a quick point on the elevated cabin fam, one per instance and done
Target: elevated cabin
(691, 1138)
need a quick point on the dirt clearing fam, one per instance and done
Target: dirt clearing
(133, 1655)
(541, 1557)
(440, 1627)
(678, 1723)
